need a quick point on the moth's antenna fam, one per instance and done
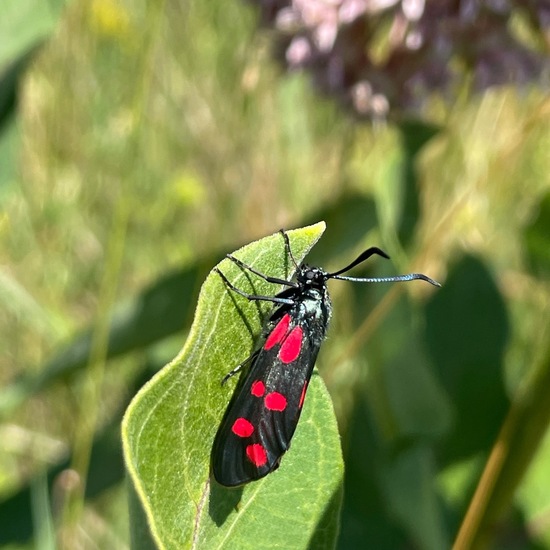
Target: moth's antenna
(395, 279)
(365, 256)
(288, 249)
(360, 259)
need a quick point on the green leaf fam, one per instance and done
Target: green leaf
(25, 23)
(415, 134)
(536, 237)
(17, 509)
(141, 321)
(169, 427)
(468, 352)
(408, 486)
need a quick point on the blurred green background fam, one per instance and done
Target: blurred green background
(139, 142)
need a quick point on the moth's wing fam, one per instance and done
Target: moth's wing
(262, 416)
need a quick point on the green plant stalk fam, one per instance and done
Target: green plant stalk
(91, 393)
(519, 438)
(100, 339)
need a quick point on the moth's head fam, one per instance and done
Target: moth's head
(311, 277)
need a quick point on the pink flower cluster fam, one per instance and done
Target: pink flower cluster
(378, 56)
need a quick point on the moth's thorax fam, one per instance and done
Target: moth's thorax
(314, 301)
(313, 310)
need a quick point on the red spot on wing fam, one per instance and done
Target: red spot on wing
(256, 454)
(303, 396)
(242, 427)
(258, 388)
(278, 333)
(291, 346)
(275, 401)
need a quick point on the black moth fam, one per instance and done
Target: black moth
(261, 419)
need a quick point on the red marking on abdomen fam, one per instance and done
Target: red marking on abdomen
(258, 388)
(291, 346)
(303, 396)
(242, 427)
(278, 333)
(256, 454)
(275, 401)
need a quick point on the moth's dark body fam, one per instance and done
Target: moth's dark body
(262, 416)
(311, 311)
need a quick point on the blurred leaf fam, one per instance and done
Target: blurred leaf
(418, 405)
(106, 469)
(519, 439)
(348, 220)
(407, 483)
(162, 309)
(537, 237)
(9, 83)
(403, 389)
(414, 136)
(389, 465)
(364, 512)
(10, 140)
(169, 428)
(25, 23)
(468, 348)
